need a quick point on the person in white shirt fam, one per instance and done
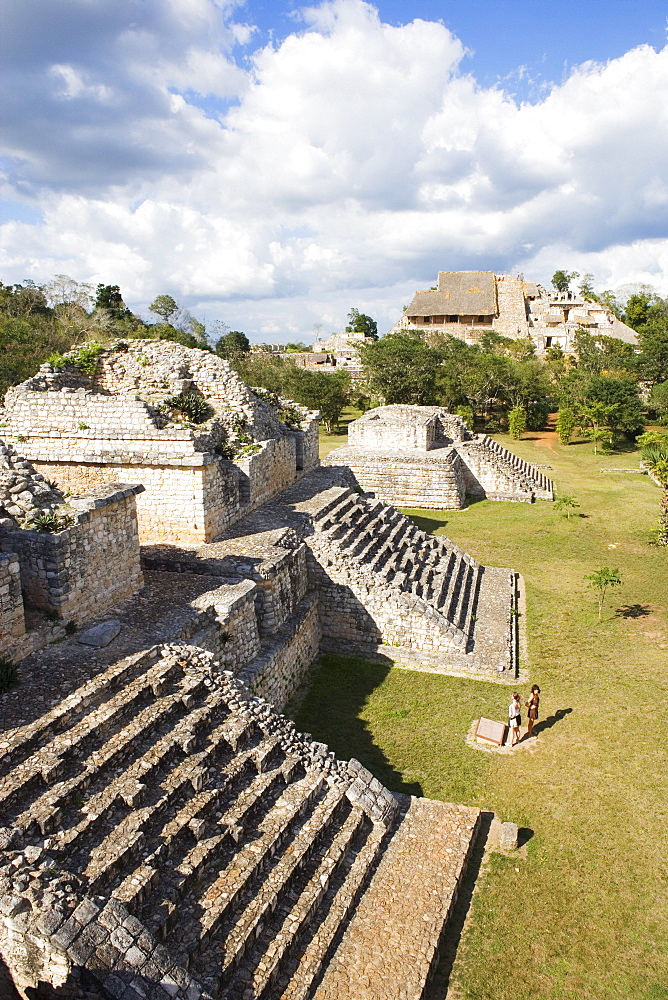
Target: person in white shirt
(514, 719)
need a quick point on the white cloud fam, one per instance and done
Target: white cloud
(355, 160)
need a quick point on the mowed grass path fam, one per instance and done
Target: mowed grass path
(586, 915)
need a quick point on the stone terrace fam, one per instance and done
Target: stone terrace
(164, 836)
(380, 580)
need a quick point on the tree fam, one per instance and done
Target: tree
(595, 422)
(655, 457)
(361, 323)
(566, 422)
(586, 287)
(401, 368)
(297, 347)
(164, 306)
(63, 290)
(653, 359)
(517, 422)
(561, 279)
(602, 580)
(567, 503)
(659, 398)
(232, 343)
(328, 392)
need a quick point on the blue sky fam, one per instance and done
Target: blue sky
(271, 165)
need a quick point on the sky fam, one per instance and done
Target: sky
(271, 165)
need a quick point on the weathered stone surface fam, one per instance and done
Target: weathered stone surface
(100, 635)
(508, 836)
(241, 867)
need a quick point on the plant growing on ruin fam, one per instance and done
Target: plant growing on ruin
(82, 426)
(86, 358)
(191, 405)
(20, 438)
(602, 580)
(567, 504)
(9, 675)
(291, 417)
(51, 524)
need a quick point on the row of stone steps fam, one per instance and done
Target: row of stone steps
(524, 468)
(224, 844)
(380, 541)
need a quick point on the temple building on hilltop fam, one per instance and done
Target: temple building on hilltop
(466, 303)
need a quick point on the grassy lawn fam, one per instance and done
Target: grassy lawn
(337, 440)
(586, 916)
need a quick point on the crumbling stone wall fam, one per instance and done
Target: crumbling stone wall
(85, 569)
(12, 618)
(81, 430)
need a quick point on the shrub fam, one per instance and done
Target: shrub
(466, 413)
(191, 405)
(291, 417)
(517, 422)
(9, 675)
(86, 358)
(51, 524)
(566, 421)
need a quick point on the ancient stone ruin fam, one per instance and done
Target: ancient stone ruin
(164, 831)
(423, 456)
(119, 423)
(465, 304)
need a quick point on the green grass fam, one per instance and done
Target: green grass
(337, 440)
(586, 916)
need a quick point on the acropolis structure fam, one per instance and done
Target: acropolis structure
(466, 303)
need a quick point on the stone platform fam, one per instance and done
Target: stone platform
(163, 836)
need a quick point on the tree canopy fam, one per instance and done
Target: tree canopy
(361, 323)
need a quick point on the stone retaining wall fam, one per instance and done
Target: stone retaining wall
(80, 572)
(12, 618)
(432, 480)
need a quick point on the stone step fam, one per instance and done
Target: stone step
(175, 841)
(310, 850)
(296, 980)
(338, 503)
(112, 716)
(261, 966)
(94, 771)
(174, 791)
(202, 926)
(189, 876)
(28, 740)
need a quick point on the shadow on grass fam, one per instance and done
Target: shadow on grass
(524, 835)
(337, 722)
(633, 611)
(428, 524)
(552, 720)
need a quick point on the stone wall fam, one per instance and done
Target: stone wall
(407, 480)
(268, 472)
(86, 569)
(183, 504)
(284, 662)
(12, 618)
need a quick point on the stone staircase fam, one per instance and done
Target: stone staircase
(213, 850)
(504, 474)
(369, 541)
(512, 320)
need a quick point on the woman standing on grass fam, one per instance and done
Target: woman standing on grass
(514, 719)
(532, 705)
